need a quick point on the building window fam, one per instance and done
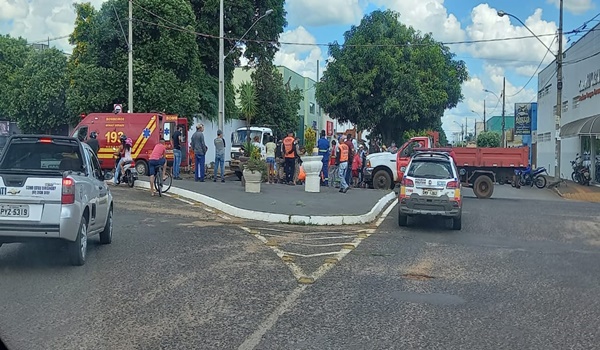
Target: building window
(312, 108)
(575, 102)
(544, 91)
(565, 106)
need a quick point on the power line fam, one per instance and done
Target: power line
(534, 73)
(581, 59)
(172, 25)
(50, 39)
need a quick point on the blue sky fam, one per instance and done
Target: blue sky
(319, 21)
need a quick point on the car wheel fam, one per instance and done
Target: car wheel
(142, 167)
(457, 223)
(382, 180)
(78, 249)
(483, 187)
(402, 220)
(106, 235)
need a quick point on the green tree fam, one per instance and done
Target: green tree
(239, 17)
(40, 90)
(388, 78)
(13, 54)
(168, 73)
(278, 103)
(248, 101)
(488, 139)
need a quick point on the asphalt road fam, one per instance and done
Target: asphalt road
(522, 274)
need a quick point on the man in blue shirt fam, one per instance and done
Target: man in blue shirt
(323, 146)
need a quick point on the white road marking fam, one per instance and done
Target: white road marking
(318, 245)
(290, 301)
(311, 255)
(224, 217)
(209, 210)
(386, 212)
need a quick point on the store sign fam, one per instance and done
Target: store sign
(590, 80)
(522, 119)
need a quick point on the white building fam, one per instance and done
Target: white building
(580, 122)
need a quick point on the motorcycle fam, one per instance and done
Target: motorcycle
(527, 177)
(130, 174)
(581, 172)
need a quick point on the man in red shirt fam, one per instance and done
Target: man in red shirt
(157, 159)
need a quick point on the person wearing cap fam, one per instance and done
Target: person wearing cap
(200, 148)
(323, 146)
(219, 156)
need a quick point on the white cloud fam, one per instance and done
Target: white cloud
(487, 25)
(574, 6)
(427, 16)
(41, 19)
(300, 58)
(471, 109)
(320, 13)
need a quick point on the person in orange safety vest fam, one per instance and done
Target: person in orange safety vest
(289, 155)
(342, 161)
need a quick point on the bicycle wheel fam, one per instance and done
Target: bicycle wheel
(167, 183)
(158, 182)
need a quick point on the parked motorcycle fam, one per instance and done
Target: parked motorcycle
(581, 172)
(527, 177)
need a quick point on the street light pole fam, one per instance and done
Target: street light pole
(130, 60)
(503, 111)
(559, 84)
(484, 115)
(558, 94)
(221, 102)
(222, 57)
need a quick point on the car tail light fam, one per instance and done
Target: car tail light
(68, 191)
(45, 140)
(407, 182)
(453, 184)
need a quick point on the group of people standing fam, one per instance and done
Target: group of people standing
(198, 145)
(343, 161)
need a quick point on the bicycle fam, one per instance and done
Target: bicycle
(159, 184)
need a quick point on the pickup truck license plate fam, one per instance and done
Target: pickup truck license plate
(14, 211)
(429, 192)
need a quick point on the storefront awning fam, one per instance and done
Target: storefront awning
(585, 126)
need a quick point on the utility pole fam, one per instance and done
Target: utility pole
(221, 68)
(558, 93)
(130, 60)
(484, 115)
(503, 111)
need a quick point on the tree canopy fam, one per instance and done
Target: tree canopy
(389, 78)
(278, 104)
(39, 88)
(13, 54)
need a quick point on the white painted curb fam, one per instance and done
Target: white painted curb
(281, 218)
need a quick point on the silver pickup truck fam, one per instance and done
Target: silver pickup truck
(52, 187)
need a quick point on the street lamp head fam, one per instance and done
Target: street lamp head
(268, 12)
(501, 13)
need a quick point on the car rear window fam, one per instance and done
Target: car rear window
(33, 155)
(431, 169)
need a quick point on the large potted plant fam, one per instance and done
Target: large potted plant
(255, 170)
(311, 162)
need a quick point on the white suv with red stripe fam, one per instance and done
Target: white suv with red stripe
(430, 187)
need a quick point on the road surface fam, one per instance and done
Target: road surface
(522, 274)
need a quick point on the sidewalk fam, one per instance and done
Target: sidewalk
(575, 191)
(285, 204)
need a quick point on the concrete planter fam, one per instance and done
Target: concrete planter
(252, 181)
(312, 167)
